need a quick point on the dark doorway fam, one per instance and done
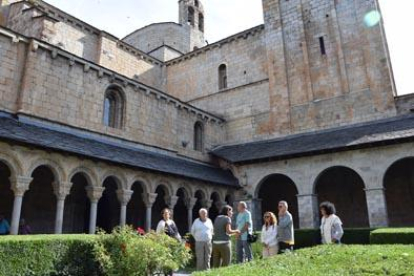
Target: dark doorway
(109, 208)
(399, 193)
(275, 188)
(77, 207)
(344, 188)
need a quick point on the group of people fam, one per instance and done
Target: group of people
(24, 229)
(213, 240)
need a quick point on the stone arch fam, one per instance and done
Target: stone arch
(39, 202)
(163, 193)
(344, 187)
(398, 183)
(198, 136)
(54, 166)
(201, 197)
(119, 178)
(180, 209)
(89, 174)
(109, 207)
(229, 199)
(165, 185)
(136, 216)
(216, 204)
(77, 203)
(145, 182)
(272, 189)
(222, 76)
(12, 163)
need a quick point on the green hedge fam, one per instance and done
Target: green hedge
(393, 236)
(47, 255)
(330, 260)
(123, 252)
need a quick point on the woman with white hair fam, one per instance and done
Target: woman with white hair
(202, 231)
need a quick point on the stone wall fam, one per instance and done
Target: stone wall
(370, 165)
(61, 88)
(12, 60)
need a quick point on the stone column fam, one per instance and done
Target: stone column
(19, 186)
(308, 211)
(149, 200)
(61, 191)
(377, 207)
(94, 194)
(124, 196)
(256, 210)
(191, 202)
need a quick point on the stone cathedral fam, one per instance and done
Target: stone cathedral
(97, 131)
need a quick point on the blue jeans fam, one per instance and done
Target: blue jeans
(244, 251)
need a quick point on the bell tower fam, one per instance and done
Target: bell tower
(191, 13)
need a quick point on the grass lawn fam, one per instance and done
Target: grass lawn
(331, 260)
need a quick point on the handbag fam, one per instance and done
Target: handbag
(252, 238)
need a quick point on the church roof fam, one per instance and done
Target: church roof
(370, 134)
(13, 130)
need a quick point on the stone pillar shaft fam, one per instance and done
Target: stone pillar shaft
(377, 207)
(19, 186)
(308, 211)
(94, 194)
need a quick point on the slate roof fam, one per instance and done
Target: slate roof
(30, 134)
(375, 133)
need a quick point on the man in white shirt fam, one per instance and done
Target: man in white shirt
(202, 231)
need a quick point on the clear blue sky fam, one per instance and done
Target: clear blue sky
(226, 17)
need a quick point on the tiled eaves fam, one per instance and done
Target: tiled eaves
(55, 14)
(114, 76)
(242, 35)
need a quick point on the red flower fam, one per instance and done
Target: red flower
(140, 231)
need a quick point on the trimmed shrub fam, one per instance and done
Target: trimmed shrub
(393, 236)
(330, 260)
(356, 235)
(307, 238)
(123, 252)
(126, 253)
(48, 255)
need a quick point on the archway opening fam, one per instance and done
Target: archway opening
(229, 200)
(77, 206)
(180, 212)
(6, 194)
(344, 188)
(136, 207)
(199, 204)
(275, 188)
(399, 193)
(39, 202)
(158, 206)
(214, 210)
(109, 208)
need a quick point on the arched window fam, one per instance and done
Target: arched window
(196, 3)
(191, 16)
(201, 22)
(222, 71)
(113, 108)
(198, 136)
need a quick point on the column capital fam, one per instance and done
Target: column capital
(172, 201)
(124, 196)
(149, 199)
(94, 193)
(62, 189)
(20, 184)
(191, 202)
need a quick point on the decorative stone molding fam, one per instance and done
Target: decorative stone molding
(149, 199)
(62, 189)
(94, 193)
(20, 184)
(124, 196)
(191, 202)
(172, 201)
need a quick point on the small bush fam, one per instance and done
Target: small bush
(393, 236)
(47, 255)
